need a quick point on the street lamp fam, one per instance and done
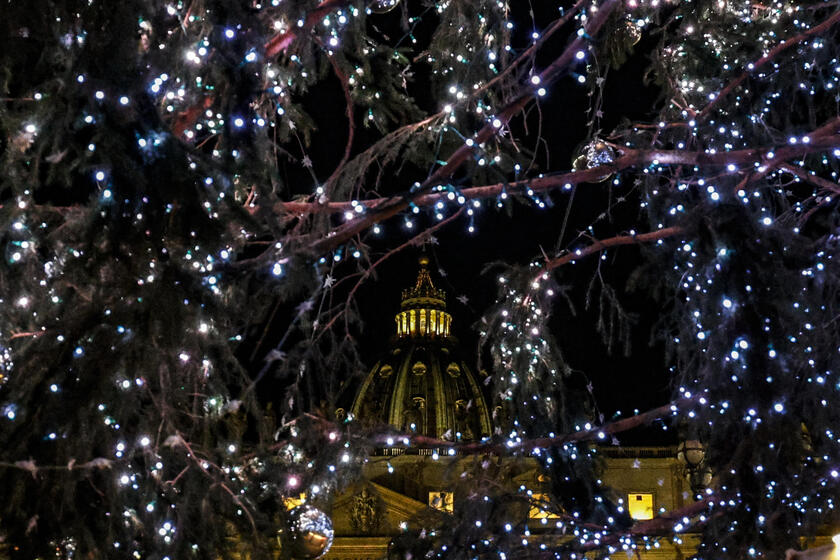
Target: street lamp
(692, 455)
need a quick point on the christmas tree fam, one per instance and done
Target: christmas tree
(194, 193)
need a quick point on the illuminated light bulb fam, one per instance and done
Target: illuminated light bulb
(382, 6)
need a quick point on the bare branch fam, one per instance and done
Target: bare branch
(601, 244)
(809, 178)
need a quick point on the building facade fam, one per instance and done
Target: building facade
(423, 383)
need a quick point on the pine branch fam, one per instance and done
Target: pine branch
(395, 205)
(823, 138)
(281, 41)
(351, 121)
(31, 466)
(781, 47)
(528, 53)
(403, 131)
(661, 525)
(390, 439)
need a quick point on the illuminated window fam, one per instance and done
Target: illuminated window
(537, 512)
(442, 501)
(640, 505)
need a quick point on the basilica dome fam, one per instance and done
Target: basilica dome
(422, 383)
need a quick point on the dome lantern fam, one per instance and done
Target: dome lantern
(422, 384)
(423, 308)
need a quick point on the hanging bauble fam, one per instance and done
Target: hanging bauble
(382, 6)
(594, 154)
(632, 32)
(308, 533)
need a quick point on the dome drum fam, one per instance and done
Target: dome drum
(423, 322)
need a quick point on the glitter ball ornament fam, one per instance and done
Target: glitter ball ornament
(308, 533)
(594, 154)
(632, 33)
(382, 6)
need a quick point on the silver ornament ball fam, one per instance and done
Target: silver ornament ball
(594, 154)
(632, 32)
(308, 534)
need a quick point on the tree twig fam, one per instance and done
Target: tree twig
(599, 245)
(351, 123)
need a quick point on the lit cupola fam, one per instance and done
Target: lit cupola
(422, 384)
(423, 309)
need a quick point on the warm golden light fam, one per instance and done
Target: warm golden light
(835, 552)
(442, 501)
(423, 322)
(640, 505)
(292, 502)
(536, 512)
(423, 310)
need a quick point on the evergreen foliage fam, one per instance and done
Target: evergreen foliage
(170, 247)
